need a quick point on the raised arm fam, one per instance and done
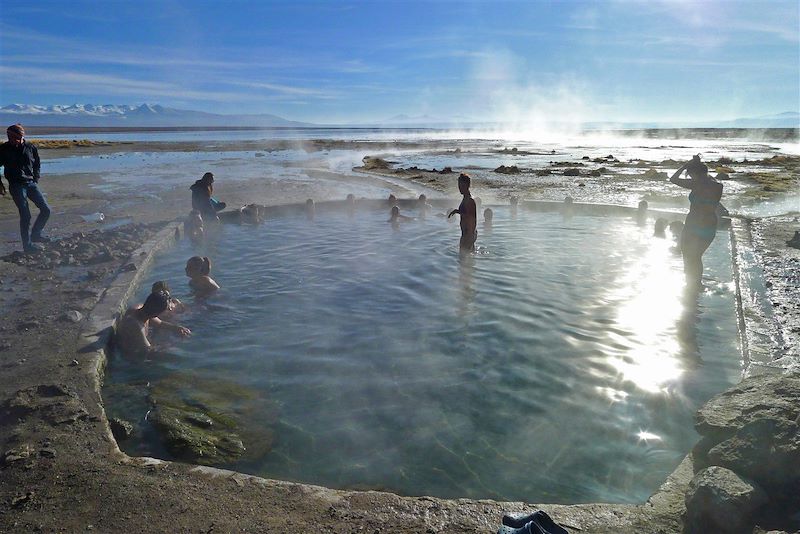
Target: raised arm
(683, 182)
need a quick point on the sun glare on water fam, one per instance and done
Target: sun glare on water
(649, 307)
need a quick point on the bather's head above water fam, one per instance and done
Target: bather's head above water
(197, 265)
(155, 304)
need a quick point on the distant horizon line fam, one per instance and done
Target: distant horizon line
(397, 121)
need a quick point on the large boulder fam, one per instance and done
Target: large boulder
(775, 397)
(718, 500)
(752, 429)
(767, 451)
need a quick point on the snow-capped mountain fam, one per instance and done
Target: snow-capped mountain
(126, 115)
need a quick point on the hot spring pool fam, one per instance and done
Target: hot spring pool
(560, 363)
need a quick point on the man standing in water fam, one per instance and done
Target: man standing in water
(20, 160)
(469, 215)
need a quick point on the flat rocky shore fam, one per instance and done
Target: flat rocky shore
(61, 470)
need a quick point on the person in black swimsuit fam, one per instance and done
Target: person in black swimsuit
(700, 227)
(469, 215)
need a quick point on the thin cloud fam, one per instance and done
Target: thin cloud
(76, 83)
(279, 88)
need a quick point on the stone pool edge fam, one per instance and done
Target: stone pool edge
(662, 512)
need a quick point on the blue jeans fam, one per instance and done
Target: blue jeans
(21, 193)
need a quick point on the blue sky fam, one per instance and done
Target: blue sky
(624, 60)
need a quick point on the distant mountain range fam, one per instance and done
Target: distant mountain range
(787, 119)
(135, 116)
(149, 115)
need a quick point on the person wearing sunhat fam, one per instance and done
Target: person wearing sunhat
(20, 162)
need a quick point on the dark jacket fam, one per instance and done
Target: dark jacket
(201, 199)
(21, 164)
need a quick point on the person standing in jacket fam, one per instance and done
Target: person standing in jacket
(20, 161)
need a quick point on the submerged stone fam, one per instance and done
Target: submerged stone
(211, 421)
(192, 443)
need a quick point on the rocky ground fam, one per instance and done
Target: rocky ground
(60, 470)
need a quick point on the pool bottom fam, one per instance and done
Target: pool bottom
(465, 405)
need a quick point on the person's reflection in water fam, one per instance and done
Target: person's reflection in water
(687, 326)
(466, 268)
(568, 209)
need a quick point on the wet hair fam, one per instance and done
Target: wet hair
(395, 210)
(201, 264)
(160, 286)
(488, 214)
(464, 178)
(696, 166)
(642, 205)
(16, 129)
(423, 198)
(156, 303)
(351, 197)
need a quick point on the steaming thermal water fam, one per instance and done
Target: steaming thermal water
(561, 363)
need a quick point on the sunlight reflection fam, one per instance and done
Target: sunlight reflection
(645, 436)
(649, 306)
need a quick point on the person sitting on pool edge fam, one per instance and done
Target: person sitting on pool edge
(469, 215)
(131, 336)
(198, 270)
(202, 200)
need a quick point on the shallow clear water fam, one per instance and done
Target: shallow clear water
(560, 363)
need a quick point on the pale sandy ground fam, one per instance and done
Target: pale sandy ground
(59, 471)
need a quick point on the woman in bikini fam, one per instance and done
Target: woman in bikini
(701, 222)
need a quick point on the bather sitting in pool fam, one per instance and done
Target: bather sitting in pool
(193, 226)
(424, 207)
(659, 230)
(247, 214)
(396, 216)
(488, 217)
(198, 270)
(469, 215)
(173, 304)
(131, 336)
(700, 227)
